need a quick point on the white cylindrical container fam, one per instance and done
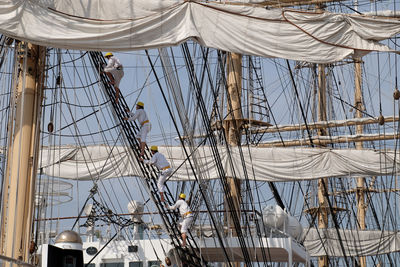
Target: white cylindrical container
(293, 227)
(274, 216)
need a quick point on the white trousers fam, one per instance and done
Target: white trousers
(162, 177)
(186, 224)
(117, 74)
(144, 130)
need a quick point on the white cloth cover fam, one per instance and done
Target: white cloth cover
(263, 164)
(141, 24)
(86, 163)
(356, 242)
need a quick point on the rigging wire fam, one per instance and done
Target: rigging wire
(341, 102)
(184, 148)
(325, 191)
(216, 156)
(238, 138)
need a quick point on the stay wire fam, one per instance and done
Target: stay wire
(97, 58)
(186, 153)
(238, 138)
(171, 114)
(216, 155)
(322, 180)
(76, 128)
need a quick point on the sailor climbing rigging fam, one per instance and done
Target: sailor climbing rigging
(186, 214)
(163, 166)
(141, 116)
(114, 71)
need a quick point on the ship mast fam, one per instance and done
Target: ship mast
(233, 120)
(361, 207)
(23, 147)
(322, 183)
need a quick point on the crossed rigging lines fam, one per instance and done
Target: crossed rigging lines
(210, 136)
(235, 216)
(130, 131)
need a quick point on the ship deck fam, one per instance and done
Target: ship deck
(274, 249)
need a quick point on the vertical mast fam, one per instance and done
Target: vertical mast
(233, 124)
(323, 202)
(361, 208)
(23, 136)
(322, 183)
(233, 120)
(234, 108)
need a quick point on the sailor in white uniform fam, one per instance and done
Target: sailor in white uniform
(114, 71)
(163, 166)
(141, 116)
(186, 214)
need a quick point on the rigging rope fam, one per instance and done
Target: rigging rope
(148, 171)
(223, 178)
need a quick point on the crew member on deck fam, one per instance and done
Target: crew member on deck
(163, 166)
(114, 71)
(141, 116)
(186, 214)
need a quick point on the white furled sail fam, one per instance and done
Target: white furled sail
(130, 25)
(262, 164)
(86, 163)
(322, 242)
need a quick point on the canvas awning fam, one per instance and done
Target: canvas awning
(319, 37)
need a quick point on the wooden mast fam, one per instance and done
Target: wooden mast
(234, 109)
(21, 169)
(233, 122)
(360, 195)
(322, 183)
(232, 126)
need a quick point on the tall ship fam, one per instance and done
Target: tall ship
(279, 121)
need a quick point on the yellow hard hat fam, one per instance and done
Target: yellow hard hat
(182, 195)
(109, 54)
(140, 104)
(154, 148)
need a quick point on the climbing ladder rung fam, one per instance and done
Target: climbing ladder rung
(130, 130)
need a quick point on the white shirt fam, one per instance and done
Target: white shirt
(183, 208)
(113, 62)
(158, 160)
(140, 115)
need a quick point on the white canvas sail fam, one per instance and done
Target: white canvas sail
(129, 25)
(262, 164)
(321, 242)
